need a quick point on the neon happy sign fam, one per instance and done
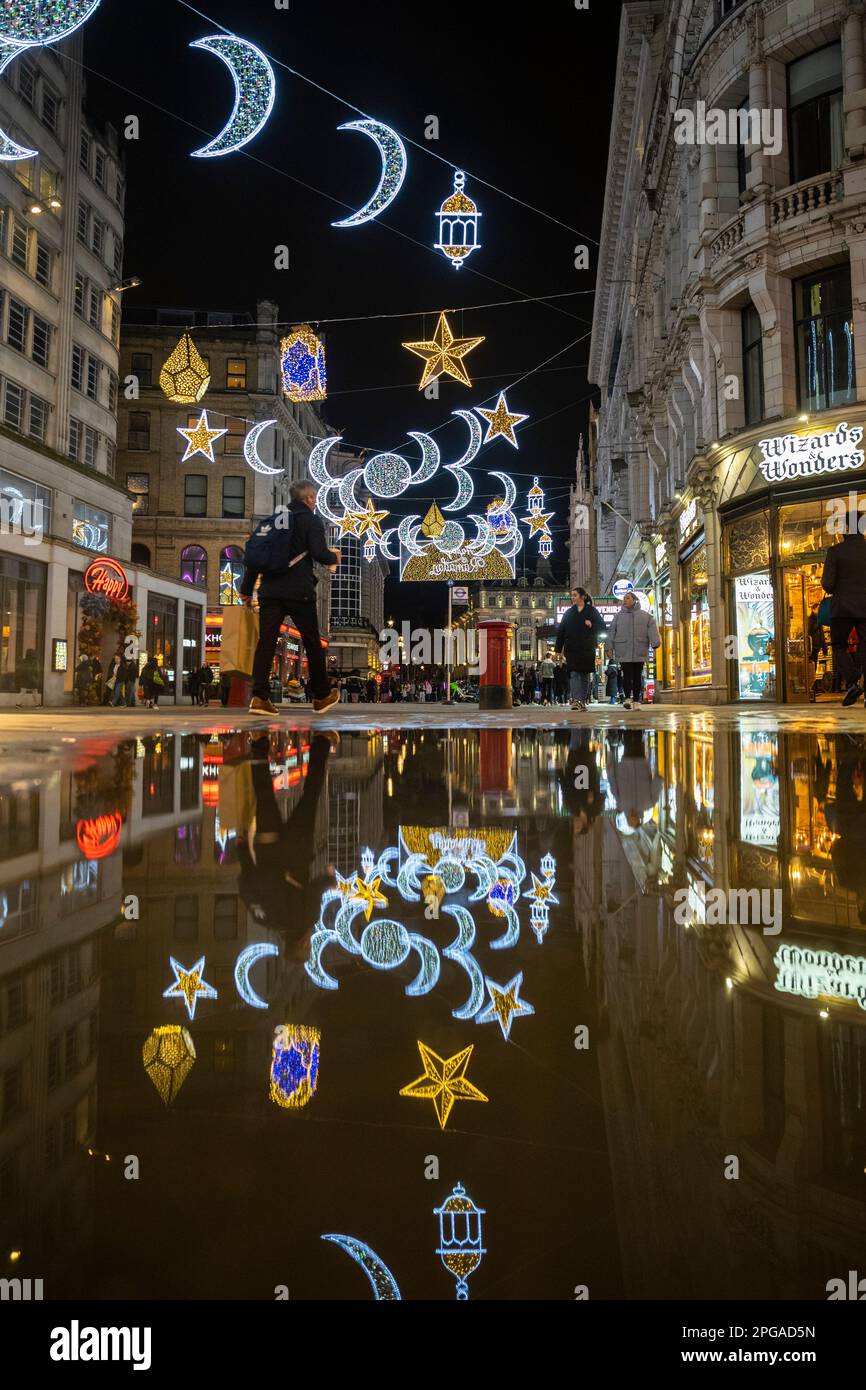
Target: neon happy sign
(108, 578)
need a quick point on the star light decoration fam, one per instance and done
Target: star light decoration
(444, 1082)
(185, 375)
(444, 354)
(541, 896)
(200, 439)
(538, 520)
(505, 1005)
(303, 366)
(458, 224)
(501, 423)
(189, 985)
(368, 894)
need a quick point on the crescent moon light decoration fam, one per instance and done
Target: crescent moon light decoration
(394, 165)
(245, 961)
(255, 91)
(251, 450)
(382, 1281)
(36, 27)
(466, 487)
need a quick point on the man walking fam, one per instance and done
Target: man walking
(629, 638)
(288, 585)
(845, 578)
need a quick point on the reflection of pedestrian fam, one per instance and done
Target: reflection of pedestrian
(276, 879)
(846, 817)
(634, 784)
(817, 647)
(580, 783)
(845, 578)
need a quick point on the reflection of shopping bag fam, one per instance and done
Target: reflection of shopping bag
(237, 798)
(824, 611)
(239, 640)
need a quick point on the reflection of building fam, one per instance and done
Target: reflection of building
(729, 333)
(192, 520)
(355, 819)
(61, 247)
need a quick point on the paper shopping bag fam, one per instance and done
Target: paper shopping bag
(239, 641)
(237, 798)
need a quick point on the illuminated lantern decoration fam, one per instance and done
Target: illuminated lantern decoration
(302, 362)
(536, 498)
(460, 1240)
(294, 1065)
(501, 896)
(108, 578)
(99, 836)
(500, 518)
(458, 224)
(185, 376)
(168, 1056)
(444, 1081)
(545, 547)
(539, 920)
(548, 866)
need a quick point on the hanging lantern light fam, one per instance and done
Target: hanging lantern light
(458, 224)
(168, 1055)
(294, 1065)
(460, 1241)
(302, 362)
(536, 498)
(185, 376)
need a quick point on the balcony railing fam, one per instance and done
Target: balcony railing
(812, 195)
(729, 238)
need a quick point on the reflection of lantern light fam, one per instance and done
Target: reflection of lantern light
(294, 1065)
(168, 1056)
(501, 895)
(460, 1247)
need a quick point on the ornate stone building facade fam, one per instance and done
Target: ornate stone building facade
(729, 339)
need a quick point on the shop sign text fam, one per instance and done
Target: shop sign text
(790, 456)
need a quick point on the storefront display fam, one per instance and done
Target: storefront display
(756, 636)
(696, 605)
(760, 819)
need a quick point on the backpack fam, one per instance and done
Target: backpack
(268, 549)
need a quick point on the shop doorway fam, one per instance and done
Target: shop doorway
(801, 589)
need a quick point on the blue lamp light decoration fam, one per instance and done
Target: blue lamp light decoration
(460, 1239)
(294, 1065)
(458, 224)
(304, 371)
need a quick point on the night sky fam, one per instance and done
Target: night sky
(527, 110)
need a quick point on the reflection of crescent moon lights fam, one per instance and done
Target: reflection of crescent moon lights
(460, 951)
(466, 487)
(394, 164)
(9, 149)
(510, 489)
(382, 1281)
(251, 450)
(245, 961)
(255, 90)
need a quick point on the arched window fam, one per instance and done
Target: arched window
(141, 554)
(193, 564)
(231, 574)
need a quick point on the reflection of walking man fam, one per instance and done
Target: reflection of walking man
(845, 578)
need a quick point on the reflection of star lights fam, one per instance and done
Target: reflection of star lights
(505, 1004)
(542, 892)
(369, 895)
(345, 886)
(200, 439)
(501, 422)
(444, 354)
(189, 985)
(443, 1082)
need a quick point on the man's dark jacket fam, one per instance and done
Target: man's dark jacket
(578, 641)
(300, 581)
(845, 577)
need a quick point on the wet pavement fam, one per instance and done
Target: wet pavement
(483, 1003)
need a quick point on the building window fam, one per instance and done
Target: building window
(110, 457)
(115, 323)
(27, 82)
(91, 444)
(16, 334)
(816, 135)
(43, 265)
(13, 406)
(92, 383)
(83, 221)
(138, 484)
(78, 359)
(41, 341)
(193, 562)
(753, 365)
(97, 243)
(94, 317)
(80, 295)
(90, 527)
(825, 340)
(138, 436)
(75, 429)
(236, 374)
(38, 418)
(142, 367)
(84, 151)
(25, 173)
(195, 494)
(19, 245)
(235, 436)
(231, 574)
(50, 105)
(99, 167)
(112, 391)
(234, 497)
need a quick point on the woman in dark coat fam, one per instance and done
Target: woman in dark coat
(148, 684)
(578, 638)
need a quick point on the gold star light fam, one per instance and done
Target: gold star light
(443, 356)
(538, 522)
(443, 1082)
(369, 895)
(200, 439)
(501, 421)
(349, 523)
(370, 520)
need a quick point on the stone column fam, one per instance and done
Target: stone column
(854, 71)
(671, 536)
(855, 236)
(705, 487)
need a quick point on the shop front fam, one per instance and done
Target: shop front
(805, 491)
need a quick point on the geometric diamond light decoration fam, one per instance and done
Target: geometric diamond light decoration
(168, 1055)
(185, 375)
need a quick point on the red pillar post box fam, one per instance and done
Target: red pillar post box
(495, 657)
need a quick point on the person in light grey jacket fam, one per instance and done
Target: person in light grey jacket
(629, 638)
